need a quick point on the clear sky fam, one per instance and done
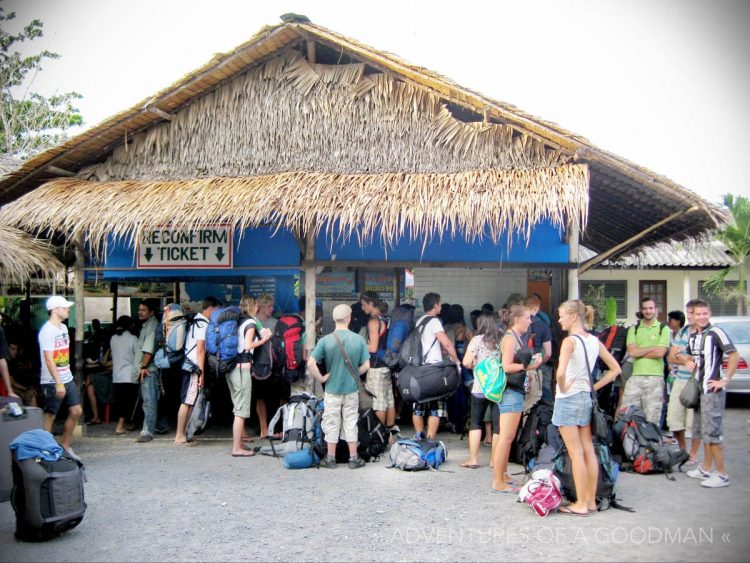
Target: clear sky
(663, 83)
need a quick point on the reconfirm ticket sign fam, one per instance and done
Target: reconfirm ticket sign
(208, 246)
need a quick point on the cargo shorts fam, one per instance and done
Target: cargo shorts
(708, 419)
(678, 417)
(379, 384)
(646, 392)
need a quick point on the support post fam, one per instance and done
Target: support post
(396, 287)
(78, 282)
(113, 288)
(310, 276)
(573, 238)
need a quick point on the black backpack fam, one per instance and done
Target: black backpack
(605, 484)
(532, 434)
(411, 352)
(373, 439)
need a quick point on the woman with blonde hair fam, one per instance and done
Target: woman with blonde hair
(573, 399)
(251, 334)
(516, 359)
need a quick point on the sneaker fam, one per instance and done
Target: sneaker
(698, 473)
(356, 463)
(715, 481)
(328, 463)
(394, 430)
(144, 438)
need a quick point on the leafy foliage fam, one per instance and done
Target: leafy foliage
(736, 237)
(29, 122)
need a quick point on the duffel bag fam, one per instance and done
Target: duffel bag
(428, 382)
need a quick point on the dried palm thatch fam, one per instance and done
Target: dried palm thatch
(22, 256)
(474, 204)
(289, 116)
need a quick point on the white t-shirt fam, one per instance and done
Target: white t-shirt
(196, 332)
(248, 323)
(123, 347)
(430, 348)
(577, 374)
(56, 340)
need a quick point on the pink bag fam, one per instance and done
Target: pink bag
(542, 492)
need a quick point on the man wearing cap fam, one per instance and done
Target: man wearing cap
(56, 377)
(344, 353)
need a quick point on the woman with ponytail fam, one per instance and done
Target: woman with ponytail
(573, 399)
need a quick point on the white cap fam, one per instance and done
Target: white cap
(58, 301)
(341, 312)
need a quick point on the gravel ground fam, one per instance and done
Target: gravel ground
(158, 501)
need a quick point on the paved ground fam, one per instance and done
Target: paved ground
(158, 502)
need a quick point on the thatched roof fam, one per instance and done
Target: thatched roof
(22, 256)
(362, 137)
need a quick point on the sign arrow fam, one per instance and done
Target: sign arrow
(219, 254)
(148, 254)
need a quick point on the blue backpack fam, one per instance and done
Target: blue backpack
(401, 324)
(413, 455)
(222, 339)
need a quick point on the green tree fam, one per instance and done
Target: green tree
(736, 237)
(29, 122)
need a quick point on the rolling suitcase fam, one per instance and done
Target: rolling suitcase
(10, 427)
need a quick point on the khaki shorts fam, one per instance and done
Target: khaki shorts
(379, 384)
(240, 384)
(678, 417)
(340, 417)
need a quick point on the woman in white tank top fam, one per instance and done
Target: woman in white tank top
(573, 404)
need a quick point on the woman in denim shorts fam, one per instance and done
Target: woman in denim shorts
(573, 404)
(511, 406)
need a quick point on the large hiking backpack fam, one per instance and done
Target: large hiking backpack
(298, 418)
(605, 484)
(642, 446)
(428, 382)
(47, 492)
(288, 347)
(402, 323)
(532, 434)
(371, 434)
(222, 339)
(412, 455)
(614, 339)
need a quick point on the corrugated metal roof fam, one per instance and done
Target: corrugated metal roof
(688, 254)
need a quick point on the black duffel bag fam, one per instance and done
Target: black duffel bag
(428, 382)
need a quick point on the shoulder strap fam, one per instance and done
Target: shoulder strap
(611, 337)
(588, 367)
(520, 344)
(347, 361)
(420, 328)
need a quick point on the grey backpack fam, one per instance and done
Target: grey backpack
(298, 426)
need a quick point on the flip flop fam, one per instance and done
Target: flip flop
(250, 454)
(469, 465)
(569, 512)
(509, 490)
(93, 423)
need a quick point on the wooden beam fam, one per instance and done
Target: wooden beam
(311, 52)
(574, 232)
(59, 171)
(599, 258)
(160, 113)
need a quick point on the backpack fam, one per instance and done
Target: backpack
(288, 348)
(401, 324)
(542, 492)
(605, 485)
(428, 382)
(491, 376)
(264, 361)
(614, 339)
(411, 353)
(412, 455)
(222, 339)
(298, 417)
(532, 434)
(371, 434)
(47, 495)
(642, 446)
(199, 417)
(171, 336)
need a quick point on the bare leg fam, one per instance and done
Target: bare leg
(508, 426)
(572, 438)
(488, 433)
(49, 421)
(238, 429)
(381, 416)
(708, 457)
(418, 422)
(475, 436)
(390, 416)
(495, 440)
(592, 467)
(120, 428)
(92, 403)
(260, 406)
(694, 447)
(433, 423)
(182, 417)
(718, 455)
(680, 437)
(74, 413)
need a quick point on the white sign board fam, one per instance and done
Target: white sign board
(177, 247)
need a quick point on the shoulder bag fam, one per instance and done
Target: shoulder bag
(600, 427)
(365, 396)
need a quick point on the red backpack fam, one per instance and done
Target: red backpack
(289, 348)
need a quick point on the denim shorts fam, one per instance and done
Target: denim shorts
(512, 402)
(52, 404)
(573, 411)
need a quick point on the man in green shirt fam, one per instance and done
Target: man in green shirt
(341, 396)
(648, 343)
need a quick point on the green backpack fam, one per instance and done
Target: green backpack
(491, 376)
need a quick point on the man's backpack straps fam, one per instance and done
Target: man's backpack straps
(420, 328)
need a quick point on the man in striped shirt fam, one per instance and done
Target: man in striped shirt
(707, 346)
